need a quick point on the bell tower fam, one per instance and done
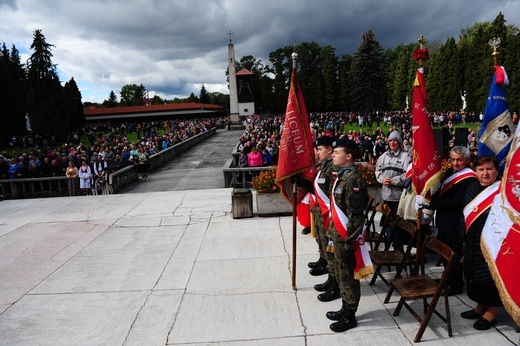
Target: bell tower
(233, 95)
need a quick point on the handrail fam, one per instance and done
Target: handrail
(241, 176)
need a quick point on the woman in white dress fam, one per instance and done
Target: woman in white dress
(84, 177)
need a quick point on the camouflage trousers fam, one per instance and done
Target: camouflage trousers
(350, 288)
(322, 238)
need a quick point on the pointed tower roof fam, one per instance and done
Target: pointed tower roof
(243, 72)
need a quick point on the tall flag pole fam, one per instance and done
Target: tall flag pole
(500, 240)
(426, 160)
(296, 166)
(496, 132)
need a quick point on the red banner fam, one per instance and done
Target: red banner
(426, 161)
(296, 153)
(500, 241)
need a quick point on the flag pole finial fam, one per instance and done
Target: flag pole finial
(495, 43)
(294, 56)
(421, 54)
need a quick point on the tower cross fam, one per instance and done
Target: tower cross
(230, 33)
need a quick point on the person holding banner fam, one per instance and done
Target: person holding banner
(480, 285)
(349, 197)
(321, 216)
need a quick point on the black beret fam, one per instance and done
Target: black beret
(325, 141)
(346, 143)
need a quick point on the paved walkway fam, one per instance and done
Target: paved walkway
(196, 169)
(174, 268)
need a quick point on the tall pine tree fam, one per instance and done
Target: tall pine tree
(46, 104)
(369, 92)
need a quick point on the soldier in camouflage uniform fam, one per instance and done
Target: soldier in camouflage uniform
(348, 199)
(321, 210)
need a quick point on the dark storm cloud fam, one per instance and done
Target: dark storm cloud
(173, 47)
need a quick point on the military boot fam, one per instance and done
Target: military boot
(331, 293)
(348, 321)
(337, 315)
(322, 262)
(325, 286)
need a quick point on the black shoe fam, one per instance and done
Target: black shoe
(453, 291)
(322, 262)
(337, 315)
(483, 324)
(325, 286)
(306, 230)
(470, 315)
(331, 294)
(318, 271)
(348, 321)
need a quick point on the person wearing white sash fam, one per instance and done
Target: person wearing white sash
(321, 215)
(348, 199)
(447, 202)
(480, 285)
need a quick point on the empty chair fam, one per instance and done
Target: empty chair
(422, 286)
(399, 258)
(372, 236)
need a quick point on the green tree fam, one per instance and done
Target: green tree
(156, 100)
(46, 103)
(203, 95)
(330, 79)
(218, 98)
(344, 68)
(401, 73)
(369, 92)
(132, 95)
(74, 105)
(476, 64)
(443, 83)
(281, 68)
(12, 93)
(192, 98)
(111, 102)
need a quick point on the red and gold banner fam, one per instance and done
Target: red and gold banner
(296, 153)
(500, 241)
(426, 160)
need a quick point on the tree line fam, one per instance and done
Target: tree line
(371, 79)
(374, 79)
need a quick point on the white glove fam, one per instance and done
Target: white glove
(420, 202)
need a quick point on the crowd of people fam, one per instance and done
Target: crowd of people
(338, 201)
(88, 165)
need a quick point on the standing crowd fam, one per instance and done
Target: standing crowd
(88, 167)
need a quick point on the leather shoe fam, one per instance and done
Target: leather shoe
(348, 321)
(318, 271)
(337, 315)
(331, 294)
(324, 286)
(306, 230)
(483, 324)
(322, 262)
(470, 315)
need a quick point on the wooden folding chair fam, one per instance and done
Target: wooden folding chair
(423, 287)
(372, 236)
(394, 257)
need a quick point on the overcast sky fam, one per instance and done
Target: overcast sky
(173, 47)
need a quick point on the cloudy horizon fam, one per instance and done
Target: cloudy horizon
(174, 48)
